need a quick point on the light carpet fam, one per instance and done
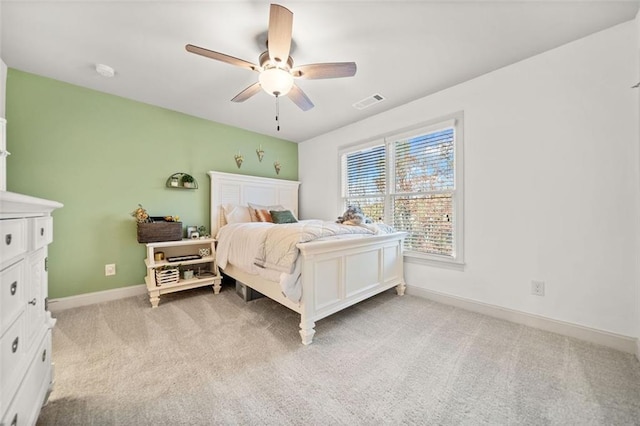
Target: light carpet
(201, 359)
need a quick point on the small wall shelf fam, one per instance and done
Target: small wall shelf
(182, 180)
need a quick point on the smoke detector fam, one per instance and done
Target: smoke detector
(105, 70)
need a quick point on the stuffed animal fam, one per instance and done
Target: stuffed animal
(353, 216)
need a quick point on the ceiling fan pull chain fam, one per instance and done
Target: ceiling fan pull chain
(278, 112)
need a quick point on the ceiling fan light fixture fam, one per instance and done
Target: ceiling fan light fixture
(276, 81)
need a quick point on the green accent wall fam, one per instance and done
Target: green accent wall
(100, 155)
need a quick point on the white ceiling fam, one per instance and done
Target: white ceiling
(404, 50)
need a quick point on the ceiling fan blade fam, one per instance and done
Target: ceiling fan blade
(279, 37)
(327, 70)
(300, 98)
(221, 57)
(247, 93)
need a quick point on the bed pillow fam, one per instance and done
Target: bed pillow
(284, 216)
(254, 207)
(263, 215)
(234, 213)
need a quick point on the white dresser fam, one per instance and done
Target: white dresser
(26, 372)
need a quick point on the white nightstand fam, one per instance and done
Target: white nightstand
(205, 268)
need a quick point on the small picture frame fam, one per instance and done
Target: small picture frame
(191, 230)
(194, 236)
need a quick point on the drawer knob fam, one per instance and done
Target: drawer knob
(42, 232)
(14, 288)
(14, 422)
(32, 301)
(14, 345)
(44, 355)
(7, 239)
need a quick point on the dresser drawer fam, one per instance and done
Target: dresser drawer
(12, 359)
(13, 238)
(35, 295)
(25, 407)
(12, 294)
(42, 231)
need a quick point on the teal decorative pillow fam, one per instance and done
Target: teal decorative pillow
(284, 216)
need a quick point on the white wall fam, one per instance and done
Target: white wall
(3, 86)
(3, 73)
(638, 246)
(551, 182)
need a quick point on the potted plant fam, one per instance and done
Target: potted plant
(188, 181)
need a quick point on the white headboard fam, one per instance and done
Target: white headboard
(227, 188)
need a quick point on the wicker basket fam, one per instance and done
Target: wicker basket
(167, 276)
(154, 232)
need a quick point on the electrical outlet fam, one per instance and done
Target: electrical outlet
(110, 269)
(537, 288)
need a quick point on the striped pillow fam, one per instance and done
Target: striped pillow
(253, 208)
(263, 216)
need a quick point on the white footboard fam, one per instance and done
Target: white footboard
(339, 273)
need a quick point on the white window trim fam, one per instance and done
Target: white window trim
(455, 120)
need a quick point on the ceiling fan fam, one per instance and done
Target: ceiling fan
(276, 69)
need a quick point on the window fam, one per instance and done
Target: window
(366, 180)
(413, 181)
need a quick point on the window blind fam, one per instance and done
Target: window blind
(366, 180)
(428, 219)
(423, 196)
(366, 172)
(425, 163)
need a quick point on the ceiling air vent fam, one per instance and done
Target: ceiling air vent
(368, 101)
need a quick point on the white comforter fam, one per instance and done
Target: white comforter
(271, 251)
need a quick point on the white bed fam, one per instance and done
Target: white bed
(335, 273)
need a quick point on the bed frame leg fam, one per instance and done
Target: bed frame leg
(307, 331)
(400, 288)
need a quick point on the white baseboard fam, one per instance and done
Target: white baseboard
(616, 341)
(56, 305)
